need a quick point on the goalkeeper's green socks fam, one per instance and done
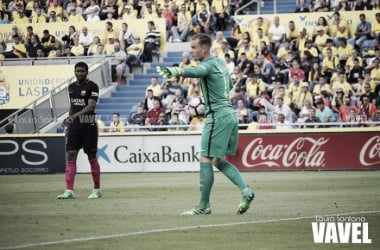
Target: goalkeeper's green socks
(206, 181)
(233, 174)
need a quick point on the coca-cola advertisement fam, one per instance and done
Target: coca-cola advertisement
(322, 151)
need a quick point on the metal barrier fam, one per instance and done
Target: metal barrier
(46, 109)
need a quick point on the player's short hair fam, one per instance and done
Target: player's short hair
(81, 65)
(203, 39)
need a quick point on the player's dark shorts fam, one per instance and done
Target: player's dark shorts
(82, 136)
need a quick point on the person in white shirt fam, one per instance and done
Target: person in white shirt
(86, 39)
(276, 35)
(284, 109)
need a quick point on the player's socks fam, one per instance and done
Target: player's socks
(206, 181)
(233, 174)
(71, 170)
(95, 171)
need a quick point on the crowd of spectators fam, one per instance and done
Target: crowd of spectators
(282, 74)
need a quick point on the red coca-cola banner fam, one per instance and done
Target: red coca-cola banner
(320, 151)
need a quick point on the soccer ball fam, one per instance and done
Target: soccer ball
(197, 106)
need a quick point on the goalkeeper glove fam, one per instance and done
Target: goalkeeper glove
(168, 72)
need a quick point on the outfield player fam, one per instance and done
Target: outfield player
(82, 130)
(220, 133)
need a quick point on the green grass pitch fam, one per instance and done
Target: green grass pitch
(142, 211)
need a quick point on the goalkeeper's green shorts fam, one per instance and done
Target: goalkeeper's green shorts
(220, 135)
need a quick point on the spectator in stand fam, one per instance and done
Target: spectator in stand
(68, 38)
(320, 39)
(56, 7)
(134, 52)
(281, 123)
(186, 62)
(109, 32)
(291, 35)
(175, 121)
(244, 46)
(77, 49)
(109, 46)
(296, 70)
(219, 9)
(138, 118)
(149, 99)
(376, 118)
(338, 28)
(181, 30)
(194, 88)
(256, 24)
(324, 113)
(336, 102)
(322, 24)
(67, 52)
(375, 73)
(314, 74)
(300, 96)
(126, 37)
(18, 49)
(217, 43)
(151, 41)
(20, 18)
(276, 34)
(366, 92)
(242, 112)
(254, 86)
(341, 84)
(367, 108)
(35, 45)
(302, 7)
(74, 16)
(110, 7)
(312, 118)
(263, 122)
(301, 40)
(153, 115)
(362, 32)
(39, 16)
(359, 5)
(350, 60)
(118, 62)
(321, 86)
(155, 87)
(330, 65)
(320, 6)
(355, 73)
(92, 16)
(259, 37)
(170, 86)
(282, 108)
(204, 20)
(235, 36)
(53, 18)
(305, 111)
(267, 69)
(92, 50)
(129, 15)
(116, 125)
(375, 31)
(346, 109)
(86, 39)
(313, 52)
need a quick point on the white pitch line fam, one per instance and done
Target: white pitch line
(163, 230)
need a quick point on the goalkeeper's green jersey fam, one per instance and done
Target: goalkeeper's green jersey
(216, 84)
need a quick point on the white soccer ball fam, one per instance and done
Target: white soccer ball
(197, 106)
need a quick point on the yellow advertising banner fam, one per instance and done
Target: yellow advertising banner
(138, 27)
(18, 90)
(308, 20)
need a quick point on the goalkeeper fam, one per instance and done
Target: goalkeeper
(220, 133)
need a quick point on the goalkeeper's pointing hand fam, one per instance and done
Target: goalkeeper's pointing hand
(168, 72)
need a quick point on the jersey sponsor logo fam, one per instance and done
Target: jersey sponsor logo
(94, 94)
(83, 93)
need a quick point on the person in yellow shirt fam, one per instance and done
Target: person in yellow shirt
(329, 64)
(109, 32)
(38, 16)
(255, 87)
(341, 83)
(74, 16)
(350, 60)
(330, 45)
(292, 34)
(56, 8)
(220, 11)
(134, 52)
(301, 40)
(301, 95)
(375, 31)
(77, 49)
(321, 86)
(375, 74)
(20, 18)
(338, 28)
(19, 49)
(320, 39)
(109, 46)
(245, 47)
(256, 24)
(116, 125)
(309, 47)
(258, 38)
(344, 51)
(217, 43)
(129, 14)
(53, 18)
(182, 29)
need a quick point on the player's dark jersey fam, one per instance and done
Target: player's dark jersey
(79, 96)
